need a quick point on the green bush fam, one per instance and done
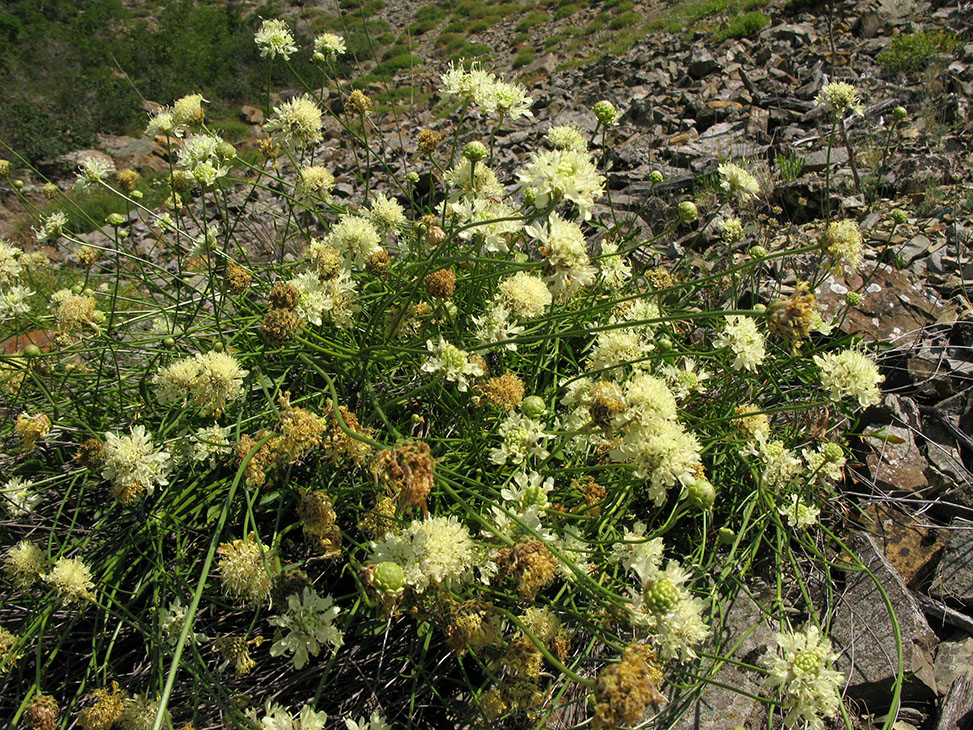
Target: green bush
(386, 69)
(912, 52)
(625, 20)
(743, 26)
(524, 57)
(530, 20)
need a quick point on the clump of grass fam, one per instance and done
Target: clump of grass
(525, 56)
(625, 20)
(743, 26)
(913, 52)
(533, 18)
(790, 166)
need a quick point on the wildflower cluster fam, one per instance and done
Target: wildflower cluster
(374, 406)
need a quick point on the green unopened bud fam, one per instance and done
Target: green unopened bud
(387, 577)
(725, 536)
(77, 288)
(702, 494)
(4, 167)
(900, 114)
(136, 194)
(688, 211)
(605, 113)
(758, 252)
(226, 150)
(759, 307)
(18, 184)
(98, 317)
(32, 351)
(318, 57)
(899, 216)
(853, 298)
(832, 452)
(169, 342)
(655, 177)
(218, 346)
(412, 176)
(475, 151)
(533, 406)
(661, 595)
(115, 219)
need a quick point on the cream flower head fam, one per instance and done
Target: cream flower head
(71, 578)
(274, 39)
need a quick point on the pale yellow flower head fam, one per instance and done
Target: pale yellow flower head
(840, 97)
(526, 296)
(274, 39)
(23, 564)
(843, 241)
(247, 569)
(133, 465)
(188, 110)
(71, 579)
(738, 181)
(297, 122)
(801, 670)
(850, 374)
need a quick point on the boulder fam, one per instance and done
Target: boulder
(862, 632)
(953, 582)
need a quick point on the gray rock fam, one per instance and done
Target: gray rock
(954, 673)
(818, 160)
(724, 140)
(914, 248)
(862, 632)
(702, 63)
(894, 459)
(953, 582)
(800, 35)
(954, 659)
(720, 707)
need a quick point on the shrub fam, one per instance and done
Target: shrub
(743, 26)
(913, 52)
(525, 56)
(530, 20)
(625, 20)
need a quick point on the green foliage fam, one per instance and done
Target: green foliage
(913, 52)
(386, 69)
(525, 56)
(434, 12)
(743, 26)
(366, 9)
(625, 20)
(38, 134)
(470, 51)
(566, 11)
(530, 20)
(791, 165)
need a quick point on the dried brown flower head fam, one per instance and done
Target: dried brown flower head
(505, 391)
(624, 690)
(284, 295)
(441, 284)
